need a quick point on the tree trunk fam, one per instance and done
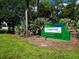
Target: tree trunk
(9, 29)
(26, 19)
(13, 29)
(26, 23)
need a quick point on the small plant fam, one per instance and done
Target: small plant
(37, 25)
(64, 20)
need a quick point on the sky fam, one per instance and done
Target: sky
(64, 1)
(77, 2)
(55, 1)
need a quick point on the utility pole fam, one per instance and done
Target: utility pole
(26, 18)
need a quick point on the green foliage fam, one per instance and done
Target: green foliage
(32, 2)
(64, 20)
(40, 21)
(45, 8)
(38, 24)
(10, 8)
(71, 11)
(78, 24)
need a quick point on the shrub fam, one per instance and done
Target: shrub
(37, 25)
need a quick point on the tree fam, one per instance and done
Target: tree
(26, 18)
(44, 9)
(11, 10)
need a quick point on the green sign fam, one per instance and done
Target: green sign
(56, 31)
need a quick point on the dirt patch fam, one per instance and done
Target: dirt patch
(39, 41)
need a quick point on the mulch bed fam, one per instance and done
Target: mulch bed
(39, 41)
(73, 43)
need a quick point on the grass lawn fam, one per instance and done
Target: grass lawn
(13, 47)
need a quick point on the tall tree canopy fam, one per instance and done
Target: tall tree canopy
(10, 8)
